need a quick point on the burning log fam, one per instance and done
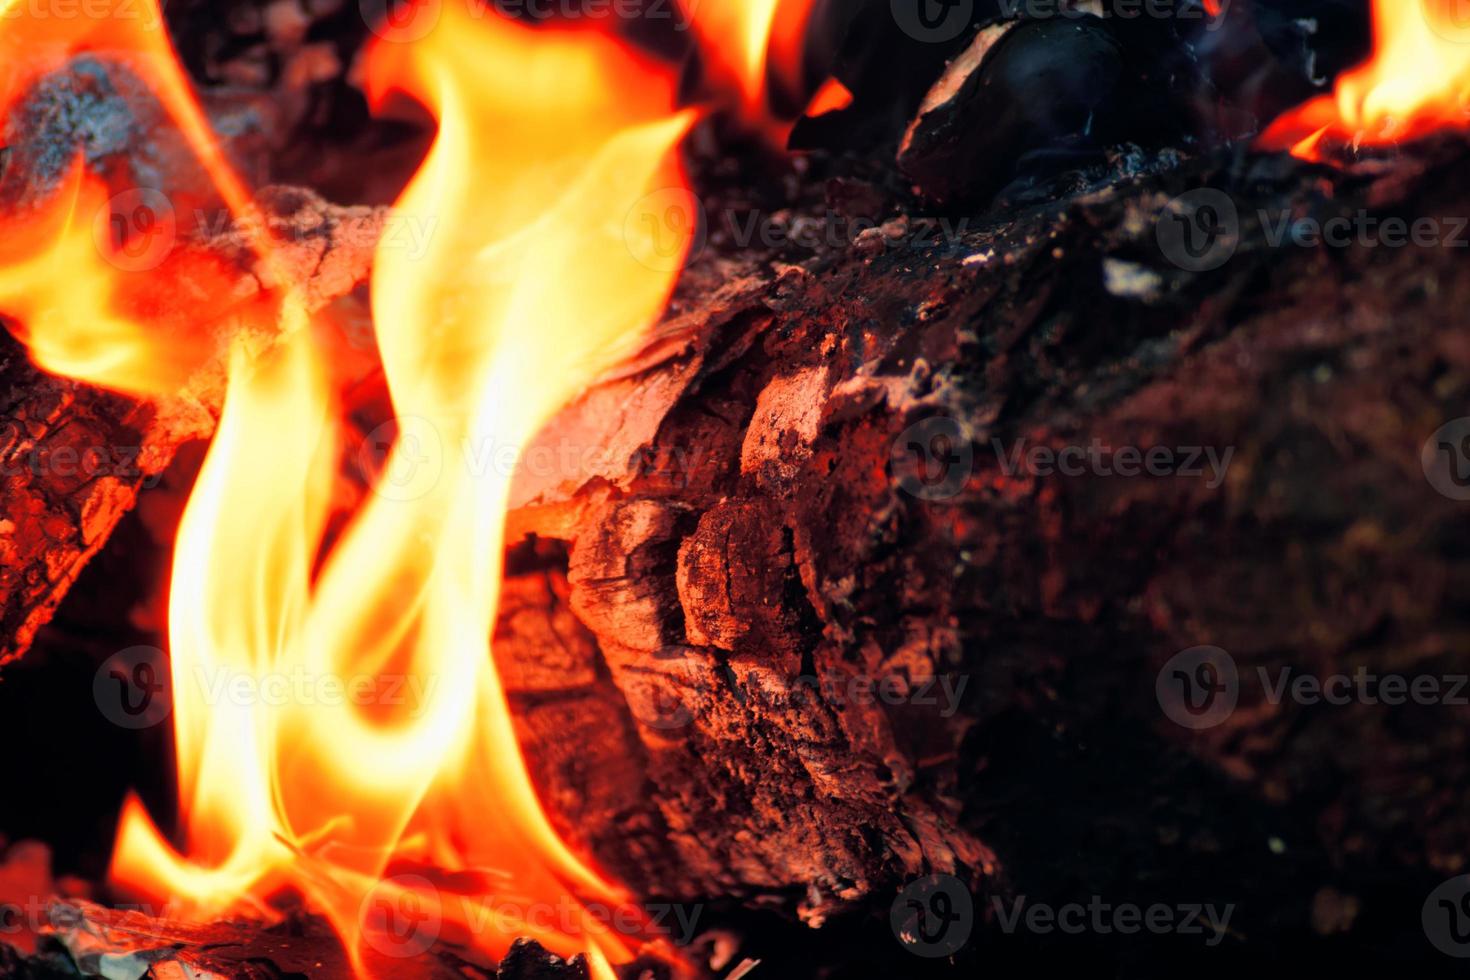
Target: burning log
(75, 457)
(826, 482)
(758, 532)
(817, 583)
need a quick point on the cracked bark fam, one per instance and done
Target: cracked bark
(742, 525)
(750, 528)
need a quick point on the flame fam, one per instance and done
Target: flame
(35, 41)
(388, 787)
(66, 273)
(1416, 82)
(755, 49)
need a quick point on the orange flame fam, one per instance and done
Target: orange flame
(1416, 82)
(755, 46)
(65, 276)
(388, 787)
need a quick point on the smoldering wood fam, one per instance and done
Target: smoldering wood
(749, 528)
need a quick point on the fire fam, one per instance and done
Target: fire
(389, 787)
(755, 49)
(1416, 82)
(63, 270)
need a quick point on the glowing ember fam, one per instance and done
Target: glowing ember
(420, 804)
(1416, 82)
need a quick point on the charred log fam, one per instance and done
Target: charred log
(825, 481)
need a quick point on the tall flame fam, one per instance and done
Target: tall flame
(410, 791)
(1416, 82)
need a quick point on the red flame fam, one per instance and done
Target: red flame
(1417, 82)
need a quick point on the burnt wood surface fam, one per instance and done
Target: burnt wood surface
(737, 519)
(748, 519)
(754, 528)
